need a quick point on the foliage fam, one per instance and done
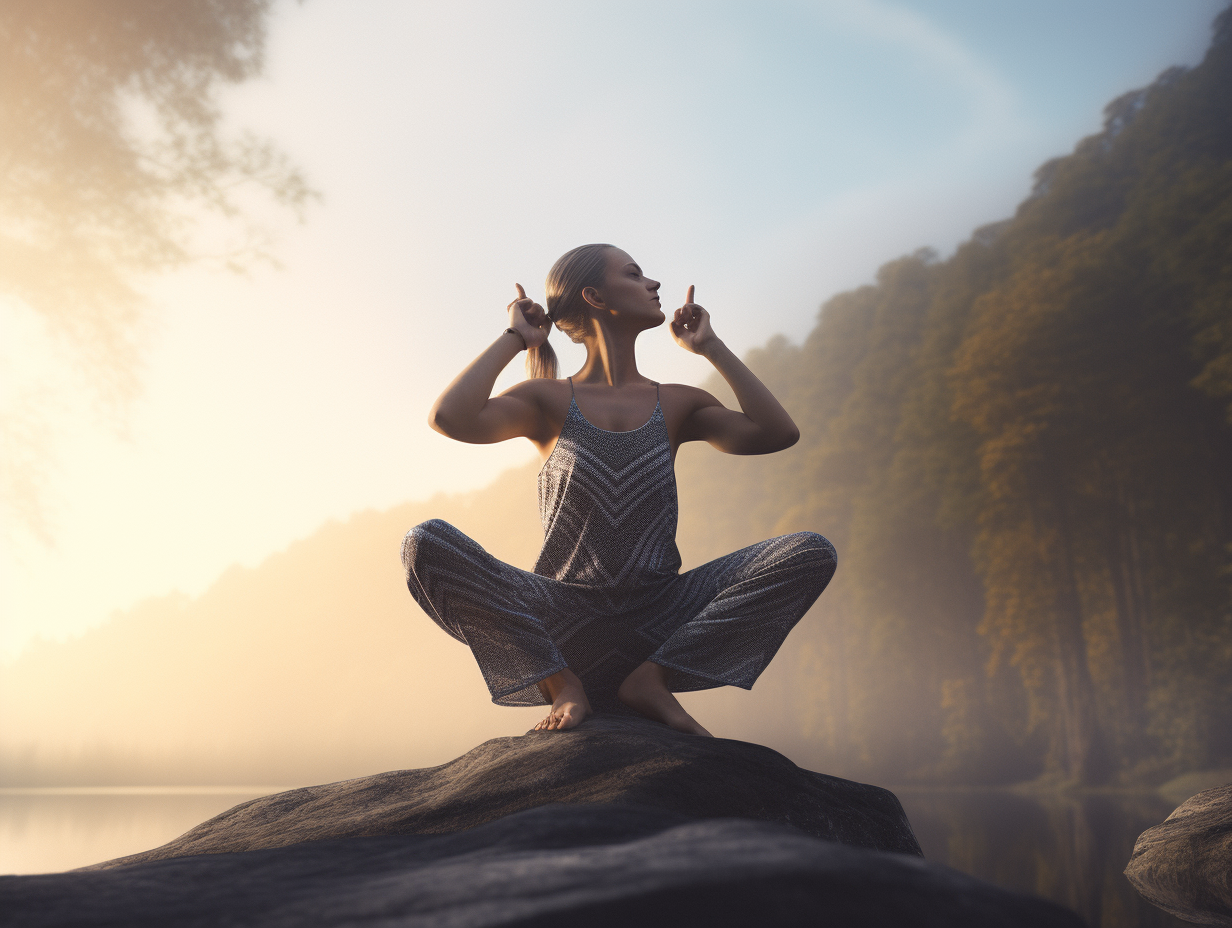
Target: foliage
(1022, 454)
(112, 153)
(109, 128)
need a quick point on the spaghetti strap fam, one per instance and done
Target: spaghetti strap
(656, 393)
(572, 392)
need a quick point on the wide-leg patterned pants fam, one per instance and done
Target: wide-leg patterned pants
(716, 625)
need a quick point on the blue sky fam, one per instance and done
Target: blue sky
(773, 154)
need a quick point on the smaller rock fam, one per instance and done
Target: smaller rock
(1184, 865)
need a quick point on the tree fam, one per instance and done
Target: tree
(110, 138)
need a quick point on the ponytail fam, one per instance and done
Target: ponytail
(541, 361)
(572, 273)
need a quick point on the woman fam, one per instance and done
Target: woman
(606, 621)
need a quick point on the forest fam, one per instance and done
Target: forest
(1023, 454)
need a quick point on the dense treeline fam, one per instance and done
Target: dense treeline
(1024, 456)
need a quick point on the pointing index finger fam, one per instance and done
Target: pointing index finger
(689, 298)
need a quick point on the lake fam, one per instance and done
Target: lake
(1068, 848)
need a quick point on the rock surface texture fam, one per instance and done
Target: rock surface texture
(618, 822)
(609, 760)
(1184, 865)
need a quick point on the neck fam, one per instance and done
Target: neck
(610, 357)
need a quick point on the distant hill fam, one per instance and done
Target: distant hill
(316, 664)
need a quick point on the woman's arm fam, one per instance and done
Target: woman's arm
(762, 425)
(468, 412)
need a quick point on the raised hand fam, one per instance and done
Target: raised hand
(691, 326)
(529, 319)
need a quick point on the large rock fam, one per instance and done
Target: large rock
(574, 865)
(1184, 865)
(610, 760)
(619, 822)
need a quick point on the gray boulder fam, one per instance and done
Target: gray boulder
(1184, 865)
(609, 760)
(618, 822)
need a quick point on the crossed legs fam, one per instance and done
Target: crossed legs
(741, 607)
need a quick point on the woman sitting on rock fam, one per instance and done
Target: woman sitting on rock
(606, 622)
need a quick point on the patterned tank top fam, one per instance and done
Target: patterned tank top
(608, 504)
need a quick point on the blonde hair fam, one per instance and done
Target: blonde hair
(572, 273)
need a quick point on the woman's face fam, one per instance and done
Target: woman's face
(627, 292)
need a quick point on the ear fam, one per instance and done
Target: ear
(592, 297)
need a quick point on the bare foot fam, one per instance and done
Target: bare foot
(569, 703)
(645, 690)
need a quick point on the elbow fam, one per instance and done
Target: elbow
(437, 420)
(453, 423)
(770, 442)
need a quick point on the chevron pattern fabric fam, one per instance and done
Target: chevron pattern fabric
(606, 593)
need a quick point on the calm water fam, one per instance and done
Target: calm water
(43, 831)
(1069, 849)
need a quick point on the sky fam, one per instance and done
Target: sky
(772, 154)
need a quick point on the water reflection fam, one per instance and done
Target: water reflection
(1067, 848)
(1072, 849)
(47, 830)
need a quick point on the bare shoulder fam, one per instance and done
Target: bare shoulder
(548, 398)
(679, 401)
(538, 390)
(681, 396)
